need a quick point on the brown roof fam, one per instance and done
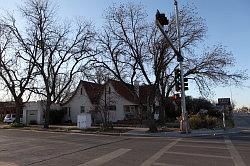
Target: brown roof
(144, 93)
(93, 90)
(126, 91)
(7, 107)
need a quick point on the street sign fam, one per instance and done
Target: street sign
(224, 101)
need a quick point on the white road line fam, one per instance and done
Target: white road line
(199, 155)
(243, 136)
(158, 154)
(105, 158)
(23, 150)
(234, 153)
(207, 147)
(164, 164)
(7, 164)
(198, 141)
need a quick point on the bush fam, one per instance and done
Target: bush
(171, 115)
(229, 123)
(33, 122)
(56, 116)
(16, 125)
(199, 121)
(214, 113)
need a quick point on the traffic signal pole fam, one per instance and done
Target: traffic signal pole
(160, 22)
(183, 96)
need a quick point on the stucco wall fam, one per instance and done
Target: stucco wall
(113, 98)
(39, 107)
(78, 100)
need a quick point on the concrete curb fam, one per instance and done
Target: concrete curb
(132, 133)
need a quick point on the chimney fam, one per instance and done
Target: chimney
(136, 87)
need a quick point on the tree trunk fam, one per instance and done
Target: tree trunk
(151, 122)
(46, 114)
(162, 112)
(19, 109)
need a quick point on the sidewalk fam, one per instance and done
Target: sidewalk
(141, 132)
(193, 133)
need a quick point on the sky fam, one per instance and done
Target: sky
(228, 23)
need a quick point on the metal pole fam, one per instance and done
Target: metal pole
(224, 121)
(183, 100)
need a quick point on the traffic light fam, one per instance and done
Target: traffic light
(186, 83)
(177, 79)
(161, 18)
(177, 96)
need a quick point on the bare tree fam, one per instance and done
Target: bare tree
(131, 47)
(59, 51)
(16, 71)
(124, 43)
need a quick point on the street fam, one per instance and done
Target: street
(242, 120)
(47, 148)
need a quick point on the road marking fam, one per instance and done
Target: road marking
(199, 155)
(22, 150)
(165, 164)
(105, 158)
(158, 154)
(241, 136)
(212, 142)
(234, 153)
(7, 164)
(207, 147)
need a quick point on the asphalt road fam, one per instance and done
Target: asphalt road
(242, 120)
(46, 149)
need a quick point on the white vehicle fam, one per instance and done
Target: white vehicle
(10, 118)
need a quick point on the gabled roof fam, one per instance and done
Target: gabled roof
(127, 91)
(93, 91)
(144, 93)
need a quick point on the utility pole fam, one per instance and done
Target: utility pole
(161, 20)
(180, 60)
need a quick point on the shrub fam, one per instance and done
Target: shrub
(33, 122)
(199, 121)
(16, 125)
(194, 121)
(229, 123)
(214, 113)
(56, 116)
(211, 121)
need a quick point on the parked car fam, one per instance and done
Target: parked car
(10, 118)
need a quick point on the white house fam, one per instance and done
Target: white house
(33, 111)
(82, 100)
(122, 100)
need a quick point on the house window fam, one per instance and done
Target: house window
(69, 111)
(109, 90)
(112, 107)
(81, 91)
(132, 109)
(129, 111)
(82, 109)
